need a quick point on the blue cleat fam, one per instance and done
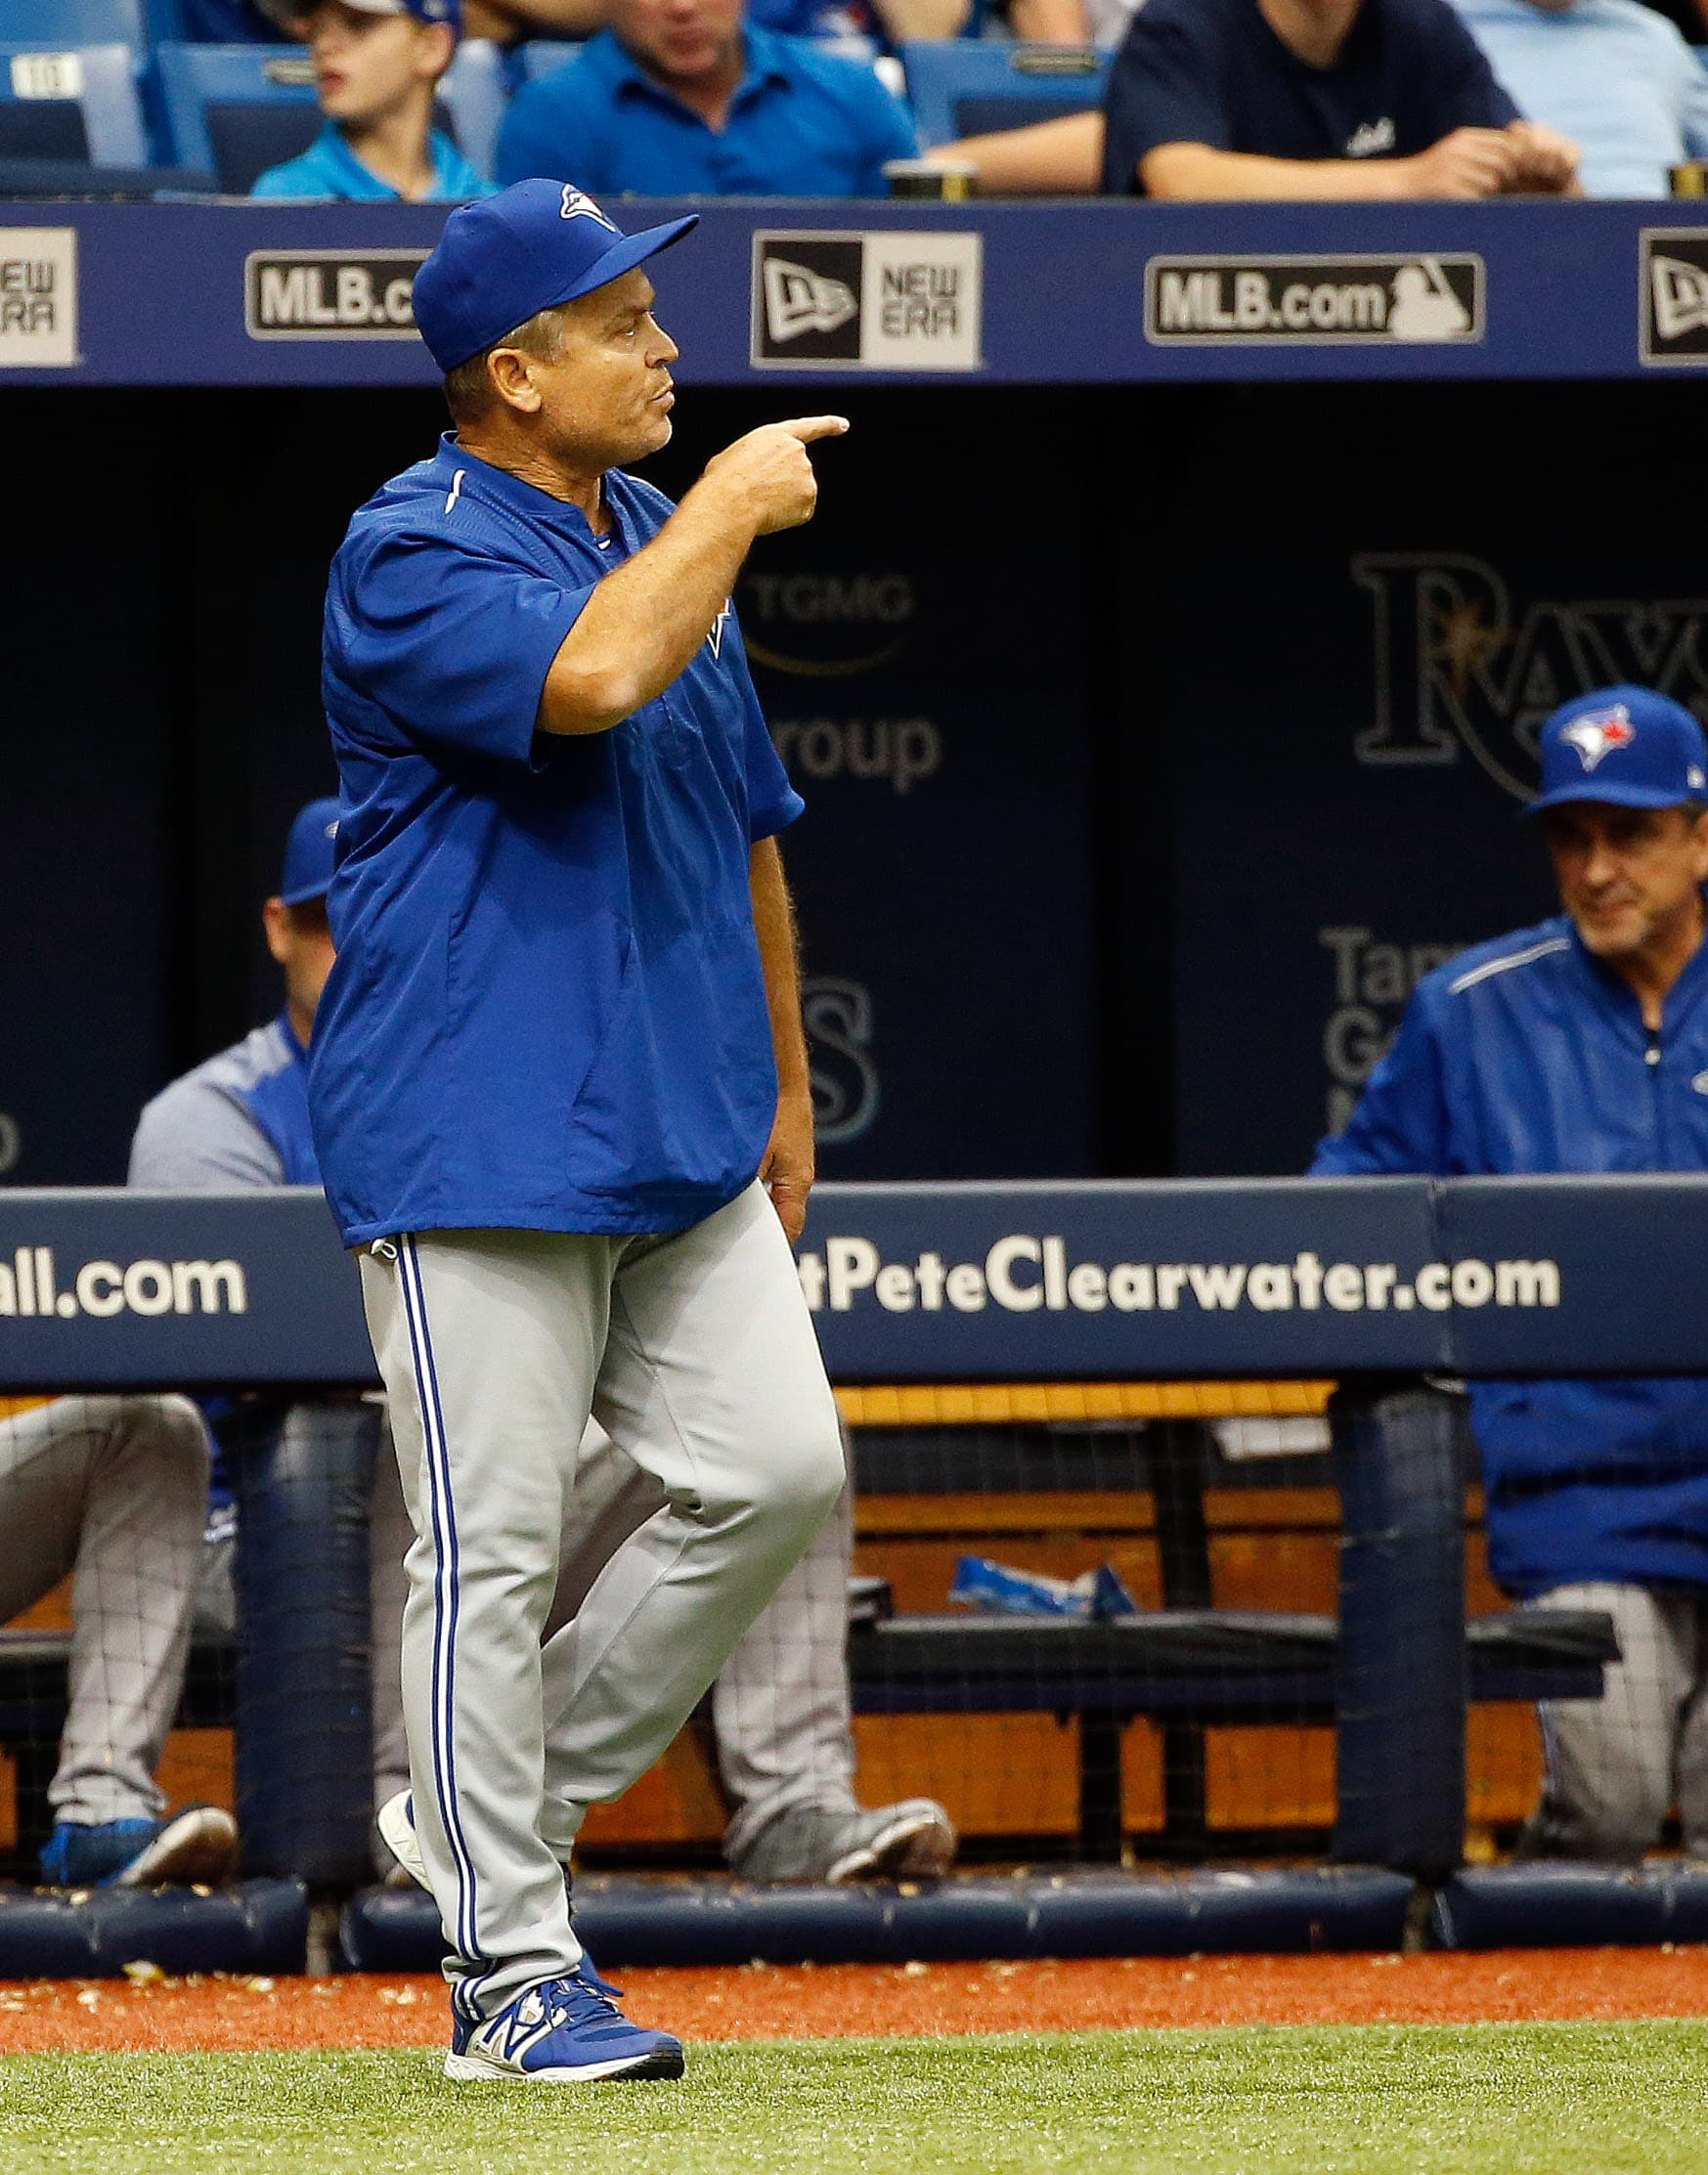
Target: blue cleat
(197, 1845)
(562, 2032)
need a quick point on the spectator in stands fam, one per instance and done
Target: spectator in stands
(113, 1491)
(377, 64)
(688, 97)
(1276, 99)
(781, 1706)
(1611, 74)
(1582, 1045)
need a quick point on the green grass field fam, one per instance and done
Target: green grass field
(1488, 2100)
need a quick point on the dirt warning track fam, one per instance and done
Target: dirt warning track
(841, 2000)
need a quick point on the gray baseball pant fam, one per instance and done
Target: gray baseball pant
(780, 1707)
(695, 1352)
(1616, 1765)
(113, 1489)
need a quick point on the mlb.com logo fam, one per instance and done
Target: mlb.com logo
(867, 301)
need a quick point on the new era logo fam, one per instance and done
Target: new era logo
(1675, 296)
(909, 300)
(806, 299)
(800, 300)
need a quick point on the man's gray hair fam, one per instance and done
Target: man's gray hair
(468, 388)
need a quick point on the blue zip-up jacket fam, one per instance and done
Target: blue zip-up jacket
(1526, 1054)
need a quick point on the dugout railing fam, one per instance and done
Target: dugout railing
(1102, 1296)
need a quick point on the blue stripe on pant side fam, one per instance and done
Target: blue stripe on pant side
(445, 1613)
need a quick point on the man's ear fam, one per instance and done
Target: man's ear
(275, 927)
(513, 379)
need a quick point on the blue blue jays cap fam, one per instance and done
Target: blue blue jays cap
(1627, 745)
(311, 853)
(532, 247)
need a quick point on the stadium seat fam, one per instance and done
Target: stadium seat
(235, 109)
(68, 22)
(73, 103)
(973, 86)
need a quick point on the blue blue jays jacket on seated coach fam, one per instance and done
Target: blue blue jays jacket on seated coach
(1526, 1054)
(548, 1011)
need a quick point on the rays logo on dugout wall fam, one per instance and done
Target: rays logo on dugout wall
(867, 301)
(1460, 668)
(1673, 304)
(1264, 301)
(331, 294)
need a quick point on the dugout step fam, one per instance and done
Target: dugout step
(633, 1923)
(257, 1926)
(1558, 1903)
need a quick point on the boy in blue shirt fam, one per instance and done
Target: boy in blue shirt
(377, 64)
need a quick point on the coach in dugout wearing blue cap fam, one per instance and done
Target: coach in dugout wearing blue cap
(1582, 1045)
(558, 1083)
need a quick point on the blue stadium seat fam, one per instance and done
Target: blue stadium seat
(971, 86)
(76, 104)
(69, 22)
(235, 109)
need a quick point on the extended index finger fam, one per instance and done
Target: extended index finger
(809, 427)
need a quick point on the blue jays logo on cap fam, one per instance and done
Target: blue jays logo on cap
(533, 246)
(1595, 731)
(1629, 746)
(578, 204)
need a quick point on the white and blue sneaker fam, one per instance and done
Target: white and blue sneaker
(562, 2032)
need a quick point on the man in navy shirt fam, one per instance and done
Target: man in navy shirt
(1315, 98)
(1582, 1045)
(1274, 99)
(558, 1083)
(689, 100)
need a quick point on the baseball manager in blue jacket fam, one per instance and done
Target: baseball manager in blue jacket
(558, 1083)
(1582, 1045)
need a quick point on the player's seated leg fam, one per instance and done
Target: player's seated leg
(1610, 1760)
(783, 1712)
(1693, 1758)
(711, 1383)
(115, 1489)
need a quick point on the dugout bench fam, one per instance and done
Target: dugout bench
(1188, 1664)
